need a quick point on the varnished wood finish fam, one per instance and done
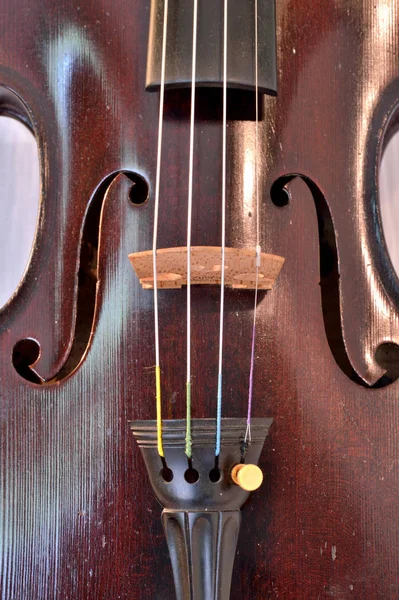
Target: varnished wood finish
(78, 519)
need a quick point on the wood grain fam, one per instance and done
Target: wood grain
(78, 520)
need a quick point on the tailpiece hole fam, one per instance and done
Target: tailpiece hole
(191, 475)
(215, 475)
(166, 474)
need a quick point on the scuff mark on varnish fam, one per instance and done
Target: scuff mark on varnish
(333, 552)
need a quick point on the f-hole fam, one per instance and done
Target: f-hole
(27, 351)
(25, 354)
(329, 284)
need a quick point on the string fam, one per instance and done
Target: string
(222, 273)
(258, 249)
(155, 236)
(189, 223)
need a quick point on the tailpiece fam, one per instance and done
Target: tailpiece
(201, 503)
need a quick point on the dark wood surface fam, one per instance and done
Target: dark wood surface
(78, 519)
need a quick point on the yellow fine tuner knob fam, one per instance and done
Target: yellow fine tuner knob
(248, 477)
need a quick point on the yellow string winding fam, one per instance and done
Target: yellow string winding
(159, 410)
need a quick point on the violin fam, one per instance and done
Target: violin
(229, 152)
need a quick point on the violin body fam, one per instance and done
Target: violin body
(78, 518)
